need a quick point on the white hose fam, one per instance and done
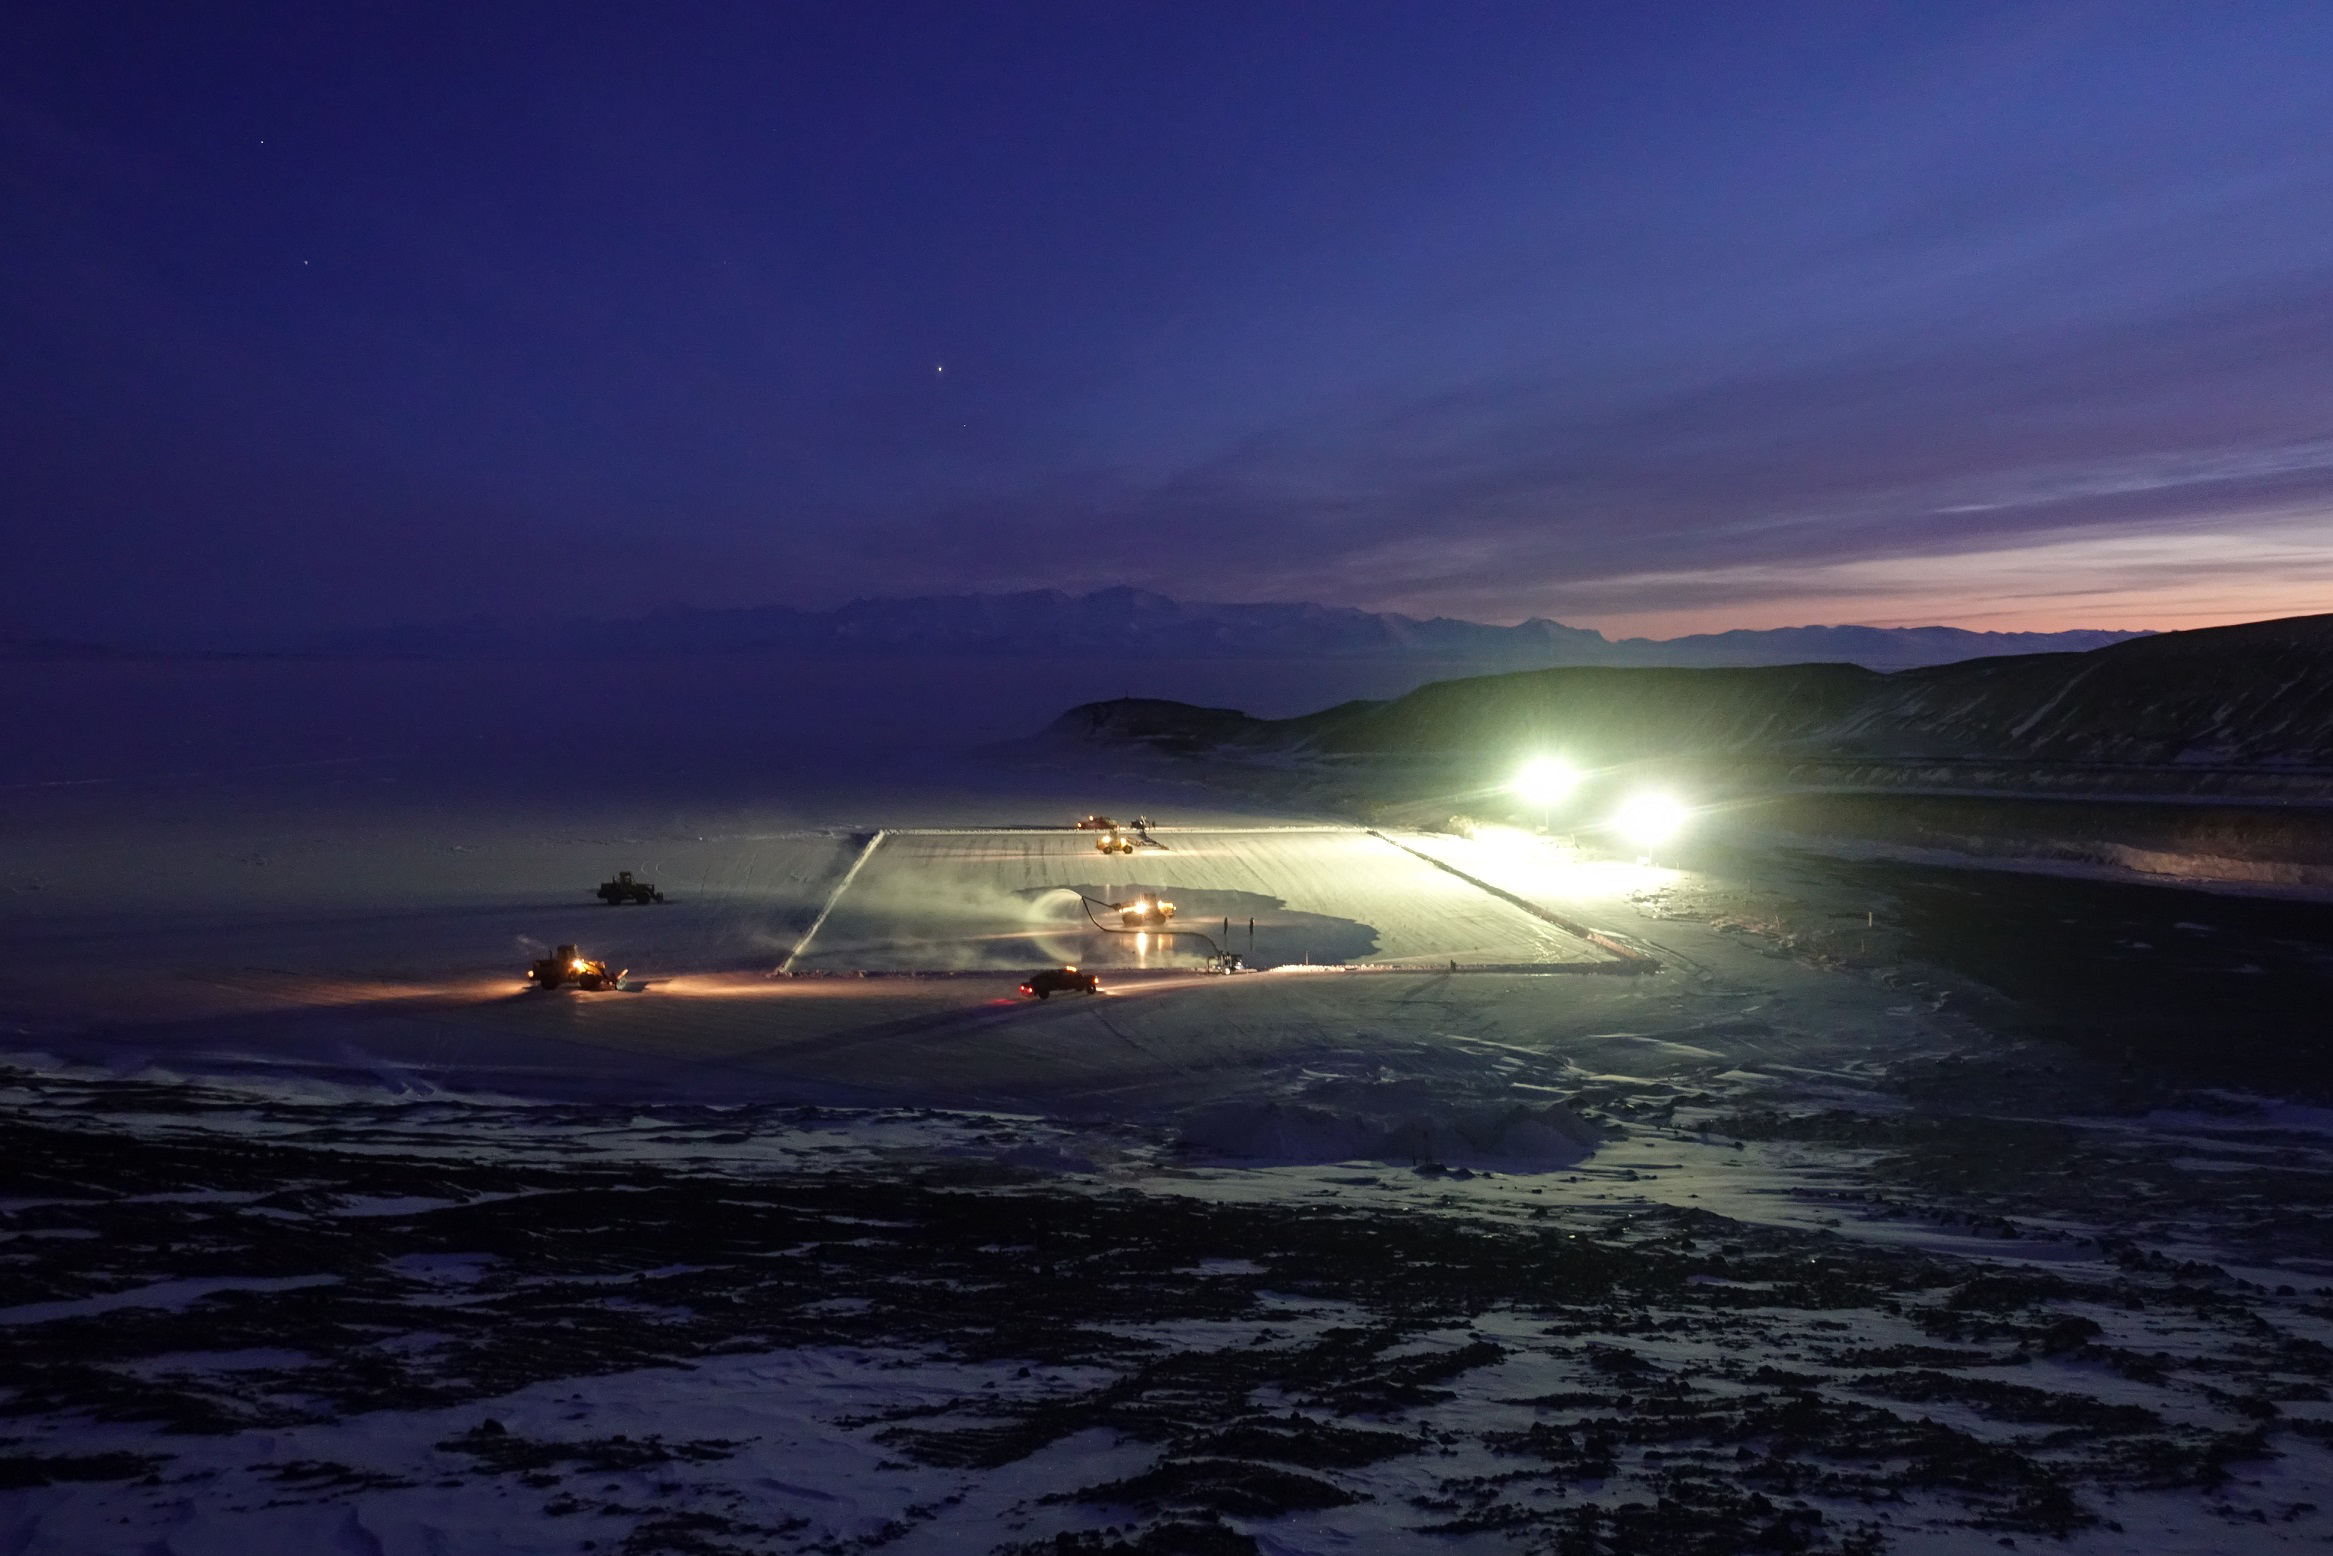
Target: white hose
(832, 898)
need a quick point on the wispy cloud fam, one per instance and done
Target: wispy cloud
(2245, 568)
(2165, 472)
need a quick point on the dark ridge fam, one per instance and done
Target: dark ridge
(1175, 727)
(2258, 695)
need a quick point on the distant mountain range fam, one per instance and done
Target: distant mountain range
(1134, 624)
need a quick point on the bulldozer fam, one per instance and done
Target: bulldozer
(569, 966)
(624, 889)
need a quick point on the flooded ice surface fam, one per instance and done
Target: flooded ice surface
(1275, 895)
(315, 1234)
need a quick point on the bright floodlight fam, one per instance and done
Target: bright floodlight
(1650, 819)
(1545, 781)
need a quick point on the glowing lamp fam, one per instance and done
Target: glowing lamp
(1546, 781)
(1650, 819)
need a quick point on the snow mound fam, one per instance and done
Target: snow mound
(1515, 1137)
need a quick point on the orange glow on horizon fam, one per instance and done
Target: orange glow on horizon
(2159, 581)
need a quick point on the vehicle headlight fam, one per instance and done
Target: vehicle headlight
(1546, 781)
(1647, 819)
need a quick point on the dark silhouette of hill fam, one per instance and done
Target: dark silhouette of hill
(2258, 695)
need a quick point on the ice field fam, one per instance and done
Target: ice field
(1517, 1195)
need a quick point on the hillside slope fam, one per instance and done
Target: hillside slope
(2258, 695)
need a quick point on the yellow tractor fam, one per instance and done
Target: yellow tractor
(1114, 842)
(569, 966)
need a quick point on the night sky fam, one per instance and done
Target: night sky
(1652, 318)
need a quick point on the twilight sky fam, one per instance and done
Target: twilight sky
(1652, 318)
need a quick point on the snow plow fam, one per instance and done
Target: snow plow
(1114, 842)
(1098, 824)
(624, 889)
(568, 966)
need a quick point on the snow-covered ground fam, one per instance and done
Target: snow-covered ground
(278, 1313)
(1453, 1229)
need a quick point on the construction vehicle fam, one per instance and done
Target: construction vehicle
(569, 966)
(1145, 912)
(1060, 980)
(1097, 824)
(624, 889)
(1114, 842)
